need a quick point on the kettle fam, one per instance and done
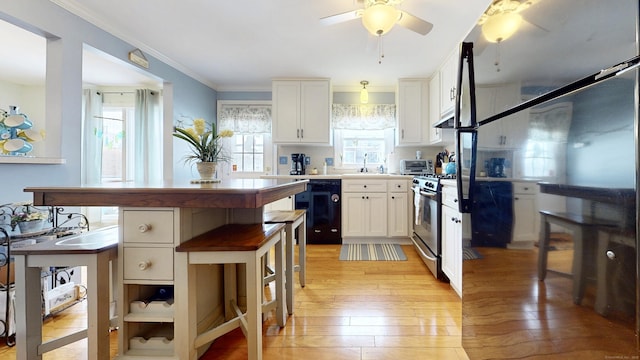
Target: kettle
(449, 168)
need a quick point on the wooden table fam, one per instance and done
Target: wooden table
(94, 250)
(155, 218)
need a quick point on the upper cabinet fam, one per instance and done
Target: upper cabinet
(437, 136)
(509, 132)
(448, 80)
(412, 100)
(301, 111)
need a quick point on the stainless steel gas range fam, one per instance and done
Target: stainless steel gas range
(427, 232)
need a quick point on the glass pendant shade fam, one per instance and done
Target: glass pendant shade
(364, 94)
(378, 19)
(500, 27)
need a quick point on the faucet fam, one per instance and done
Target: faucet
(364, 167)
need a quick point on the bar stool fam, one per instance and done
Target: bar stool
(230, 245)
(94, 250)
(293, 220)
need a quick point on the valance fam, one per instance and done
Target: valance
(363, 116)
(245, 119)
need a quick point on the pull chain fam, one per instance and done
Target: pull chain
(380, 49)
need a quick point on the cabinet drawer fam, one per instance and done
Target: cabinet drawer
(143, 263)
(398, 186)
(364, 186)
(525, 188)
(148, 226)
(450, 197)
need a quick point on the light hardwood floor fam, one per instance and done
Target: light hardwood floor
(352, 310)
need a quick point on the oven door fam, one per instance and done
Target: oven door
(425, 229)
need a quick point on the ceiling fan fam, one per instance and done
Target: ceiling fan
(379, 17)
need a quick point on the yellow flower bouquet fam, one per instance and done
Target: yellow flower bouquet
(206, 145)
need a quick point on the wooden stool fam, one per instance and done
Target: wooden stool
(239, 244)
(584, 229)
(94, 250)
(293, 219)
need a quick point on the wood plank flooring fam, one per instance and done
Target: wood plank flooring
(509, 314)
(351, 310)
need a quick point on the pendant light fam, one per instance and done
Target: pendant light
(364, 94)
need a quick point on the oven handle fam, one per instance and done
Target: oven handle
(430, 195)
(421, 251)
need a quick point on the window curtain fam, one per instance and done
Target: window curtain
(148, 136)
(91, 137)
(363, 116)
(245, 119)
(550, 123)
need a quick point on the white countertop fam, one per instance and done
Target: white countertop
(341, 176)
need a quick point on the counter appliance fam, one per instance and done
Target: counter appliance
(323, 204)
(416, 167)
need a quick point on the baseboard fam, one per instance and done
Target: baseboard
(377, 240)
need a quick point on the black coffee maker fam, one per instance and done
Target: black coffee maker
(297, 164)
(495, 167)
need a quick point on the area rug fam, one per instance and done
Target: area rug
(372, 252)
(470, 254)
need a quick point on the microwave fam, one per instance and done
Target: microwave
(416, 167)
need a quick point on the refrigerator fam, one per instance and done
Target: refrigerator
(558, 99)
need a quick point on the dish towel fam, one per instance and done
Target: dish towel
(418, 203)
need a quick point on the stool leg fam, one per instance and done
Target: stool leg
(290, 268)
(281, 310)
(302, 250)
(254, 306)
(543, 248)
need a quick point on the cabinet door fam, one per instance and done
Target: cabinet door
(452, 247)
(315, 110)
(376, 208)
(435, 134)
(448, 80)
(398, 214)
(353, 214)
(410, 112)
(525, 223)
(286, 111)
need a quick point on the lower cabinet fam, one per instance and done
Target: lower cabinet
(375, 208)
(365, 215)
(526, 219)
(452, 239)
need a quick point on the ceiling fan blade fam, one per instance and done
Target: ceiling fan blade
(339, 18)
(414, 23)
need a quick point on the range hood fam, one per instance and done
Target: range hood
(446, 123)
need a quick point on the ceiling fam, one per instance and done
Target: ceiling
(241, 45)
(244, 44)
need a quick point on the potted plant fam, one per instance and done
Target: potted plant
(206, 146)
(28, 220)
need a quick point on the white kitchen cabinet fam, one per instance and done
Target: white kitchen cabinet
(509, 132)
(413, 102)
(437, 136)
(452, 238)
(364, 211)
(301, 111)
(526, 219)
(448, 83)
(398, 208)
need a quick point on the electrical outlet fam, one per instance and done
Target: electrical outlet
(307, 160)
(282, 160)
(329, 161)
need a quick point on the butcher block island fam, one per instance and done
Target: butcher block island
(157, 288)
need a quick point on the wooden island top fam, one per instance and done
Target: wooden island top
(237, 193)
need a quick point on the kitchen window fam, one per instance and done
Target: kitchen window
(250, 146)
(363, 131)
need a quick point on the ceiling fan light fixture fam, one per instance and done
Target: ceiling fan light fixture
(364, 94)
(500, 27)
(379, 18)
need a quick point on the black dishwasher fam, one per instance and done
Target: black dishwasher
(492, 214)
(322, 202)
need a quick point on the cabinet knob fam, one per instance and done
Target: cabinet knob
(611, 255)
(526, 188)
(144, 265)
(516, 198)
(365, 186)
(455, 200)
(393, 197)
(363, 197)
(143, 228)
(398, 186)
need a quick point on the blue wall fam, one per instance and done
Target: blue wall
(64, 94)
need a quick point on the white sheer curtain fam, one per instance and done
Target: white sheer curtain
(245, 119)
(363, 116)
(91, 137)
(148, 136)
